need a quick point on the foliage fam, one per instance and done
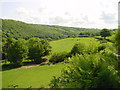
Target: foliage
(92, 47)
(105, 33)
(102, 46)
(18, 29)
(83, 48)
(58, 57)
(5, 45)
(79, 48)
(117, 39)
(37, 49)
(103, 41)
(17, 52)
(87, 72)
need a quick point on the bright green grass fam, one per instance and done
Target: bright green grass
(41, 75)
(67, 44)
(36, 76)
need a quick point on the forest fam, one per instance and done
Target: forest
(49, 56)
(16, 29)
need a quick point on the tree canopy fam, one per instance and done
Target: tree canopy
(17, 52)
(105, 33)
(38, 48)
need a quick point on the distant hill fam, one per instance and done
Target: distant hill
(18, 29)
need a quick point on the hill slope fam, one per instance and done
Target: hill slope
(18, 29)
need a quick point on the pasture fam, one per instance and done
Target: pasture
(35, 77)
(40, 76)
(67, 44)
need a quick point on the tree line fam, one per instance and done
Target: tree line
(15, 51)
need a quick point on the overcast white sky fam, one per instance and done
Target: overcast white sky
(73, 13)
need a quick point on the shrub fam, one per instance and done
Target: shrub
(103, 41)
(82, 48)
(101, 47)
(92, 48)
(79, 48)
(104, 46)
(58, 57)
(87, 72)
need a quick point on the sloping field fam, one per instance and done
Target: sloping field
(67, 44)
(38, 76)
(34, 77)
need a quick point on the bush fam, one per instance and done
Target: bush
(102, 47)
(92, 48)
(87, 72)
(103, 41)
(58, 57)
(79, 48)
(82, 48)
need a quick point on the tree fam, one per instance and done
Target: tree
(105, 33)
(37, 49)
(17, 52)
(6, 42)
(117, 42)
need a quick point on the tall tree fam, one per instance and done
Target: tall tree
(105, 33)
(38, 48)
(17, 52)
(6, 42)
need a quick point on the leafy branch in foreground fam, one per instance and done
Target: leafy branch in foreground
(89, 71)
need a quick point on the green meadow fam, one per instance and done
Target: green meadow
(67, 44)
(35, 77)
(39, 76)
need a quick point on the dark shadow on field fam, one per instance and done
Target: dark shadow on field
(101, 39)
(8, 67)
(12, 66)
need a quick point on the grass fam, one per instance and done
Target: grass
(39, 76)
(35, 77)
(67, 44)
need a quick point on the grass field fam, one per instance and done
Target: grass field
(40, 75)
(67, 44)
(36, 76)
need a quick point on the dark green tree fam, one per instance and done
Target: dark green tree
(117, 43)
(17, 51)
(37, 49)
(6, 42)
(105, 33)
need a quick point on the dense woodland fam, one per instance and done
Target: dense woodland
(18, 29)
(92, 64)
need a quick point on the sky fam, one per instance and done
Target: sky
(72, 13)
